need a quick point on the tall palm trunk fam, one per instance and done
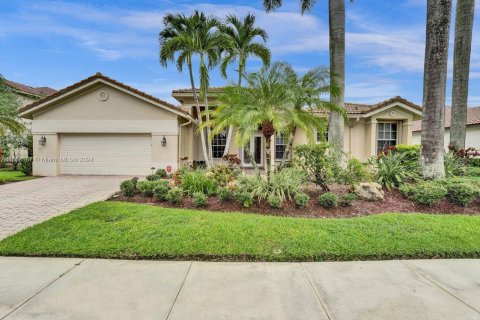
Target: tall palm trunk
(337, 69)
(268, 157)
(434, 86)
(230, 129)
(199, 114)
(461, 67)
(204, 87)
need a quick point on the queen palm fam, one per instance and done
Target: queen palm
(337, 60)
(265, 102)
(461, 67)
(241, 36)
(434, 86)
(306, 91)
(9, 111)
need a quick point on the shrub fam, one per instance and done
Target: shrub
(320, 164)
(152, 177)
(424, 193)
(301, 199)
(391, 169)
(411, 152)
(146, 187)
(472, 172)
(127, 188)
(161, 173)
(462, 193)
(274, 201)
(346, 200)
(328, 200)
(26, 166)
(223, 194)
(135, 181)
(474, 162)
(223, 174)
(197, 181)
(453, 165)
(175, 195)
(199, 199)
(244, 198)
(161, 190)
(354, 173)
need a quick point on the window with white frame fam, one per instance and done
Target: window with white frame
(319, 136)
(219, 142)
(386, 135)
(280, 146)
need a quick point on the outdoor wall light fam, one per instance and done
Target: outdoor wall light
(42, 140)
(164, 141)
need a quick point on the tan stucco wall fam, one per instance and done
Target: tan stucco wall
(120, 113)
(472, 137)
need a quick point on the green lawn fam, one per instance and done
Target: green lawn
(126, 230)
(7, 175)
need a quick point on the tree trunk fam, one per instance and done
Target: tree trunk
(288, 148)
(337, 70)
(461, 67)
(268, 157)
(199, 114)
(230, 129)
(434, 87)
(204, 88)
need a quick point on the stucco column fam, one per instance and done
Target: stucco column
(407, 127)
(371, 138)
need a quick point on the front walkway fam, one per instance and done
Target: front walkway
(49, 288)
(26, 203)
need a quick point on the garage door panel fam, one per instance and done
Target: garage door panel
(106, 154)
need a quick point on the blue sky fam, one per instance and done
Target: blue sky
(57, 43)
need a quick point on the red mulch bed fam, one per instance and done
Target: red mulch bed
(393, 202)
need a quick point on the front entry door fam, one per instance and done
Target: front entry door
(256, 148)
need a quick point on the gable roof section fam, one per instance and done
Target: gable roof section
(98, 77)
(34, 91)
(473, 118)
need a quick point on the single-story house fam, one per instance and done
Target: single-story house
(472, 138)
(101, 126)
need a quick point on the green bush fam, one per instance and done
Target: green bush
(223, 194)
(354, 173)
(199, 199)
(424, 193)
(346, 200)
(223, 174)
(453, 165)
(152, 177)
(175, 195)
(244, 198)
(161, 190)
(26, 166)
(274, 201)
(462, 193)
(392, 170)
(161, 173)
(474, 162)
(197, 181)
(135, 181)
(472, 172)
(146, 187)
(301, 199)
(411, 152)
(127, 188)
(328, 200)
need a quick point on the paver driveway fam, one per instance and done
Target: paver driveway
(26, 203)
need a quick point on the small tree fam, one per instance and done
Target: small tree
(13, 144)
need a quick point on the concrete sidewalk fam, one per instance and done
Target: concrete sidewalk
(42, 288)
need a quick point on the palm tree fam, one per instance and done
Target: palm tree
(241, 35)
(434, 86)
(177, 44)
(9, 121)
(210, 42)
(306, 92)
(265, 102)
(337, 60)
(461, 67)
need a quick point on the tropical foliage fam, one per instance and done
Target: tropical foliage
(9, 121)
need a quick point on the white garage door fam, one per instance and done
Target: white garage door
(105, 154)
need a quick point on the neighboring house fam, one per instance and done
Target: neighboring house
(473, 128)
(102, 126)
